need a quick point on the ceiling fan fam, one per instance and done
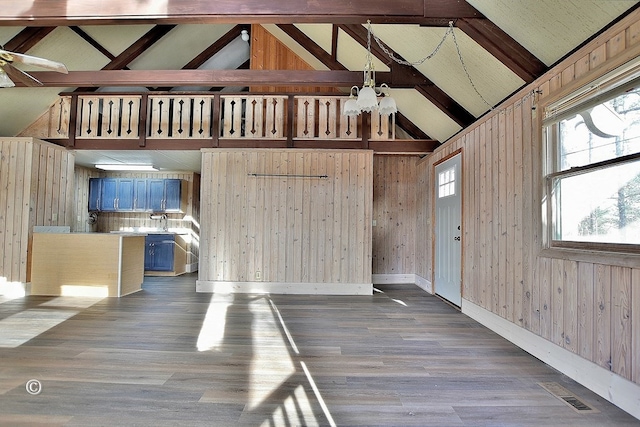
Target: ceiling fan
(9, 73)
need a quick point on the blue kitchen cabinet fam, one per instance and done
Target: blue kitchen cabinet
(164, 195)
(135, 195)
(116, 194)
(159, 251)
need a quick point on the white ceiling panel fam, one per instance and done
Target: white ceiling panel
(165, 160)
(116, 39)
(551, 28)
(424, 114)
(321, 34)
(492, 80)
(179, 46)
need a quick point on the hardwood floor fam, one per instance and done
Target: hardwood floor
(169, 356)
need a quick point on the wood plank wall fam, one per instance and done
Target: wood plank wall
(269, 53)
(587, 305)
(395, 212)
(36, 188)
(187, 220)
(290, 229)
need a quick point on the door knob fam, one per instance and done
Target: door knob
(457, 238)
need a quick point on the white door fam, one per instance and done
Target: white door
(448, 235)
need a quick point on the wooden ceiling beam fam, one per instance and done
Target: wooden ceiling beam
(161, 78)
(97, 46)
(502, 46)
(216, 46)
(138, 47)
(99, 12)
(312, 47)
(447, 105)
(27, 38)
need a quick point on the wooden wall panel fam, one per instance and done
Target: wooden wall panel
(423, 265)
(395, 215)
(584, 304)
(269, 53)
(268, 216)
(36, 188)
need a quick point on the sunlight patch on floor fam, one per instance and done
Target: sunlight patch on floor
(214, 323)
(271, 365)
(21, 327)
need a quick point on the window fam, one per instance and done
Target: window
(593, 179)
(447, 183)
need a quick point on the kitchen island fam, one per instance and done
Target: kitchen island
(87, 264)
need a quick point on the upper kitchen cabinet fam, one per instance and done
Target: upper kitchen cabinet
(164, 195)
(135, 195)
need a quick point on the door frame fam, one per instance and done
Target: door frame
(434, 197)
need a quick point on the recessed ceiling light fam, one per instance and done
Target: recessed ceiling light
(125, 167)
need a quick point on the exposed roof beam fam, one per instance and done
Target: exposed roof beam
(311, 46)
(511, 53)
(95, 12)
(138, 47)
(86, 37)
(27, 38)
(160, 78)
(446, 104)
(404, 72)
(215, 47)
(410, 127)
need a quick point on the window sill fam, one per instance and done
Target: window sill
(621, 259)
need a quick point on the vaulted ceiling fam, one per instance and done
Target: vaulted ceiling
(499, 46)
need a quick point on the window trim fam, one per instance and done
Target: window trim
(599, 90)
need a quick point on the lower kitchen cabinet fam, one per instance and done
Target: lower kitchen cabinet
(165, 255)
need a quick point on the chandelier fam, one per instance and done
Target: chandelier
(365, 100)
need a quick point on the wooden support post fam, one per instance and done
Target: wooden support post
(290, 120)
(144, 118)
(215, 121)
(73, 119)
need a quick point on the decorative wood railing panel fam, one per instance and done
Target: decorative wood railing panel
(253, 117)
(104, 116)
(181, 116)
(319, 117)
(191, 121)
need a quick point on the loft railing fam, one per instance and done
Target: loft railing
(218, 117)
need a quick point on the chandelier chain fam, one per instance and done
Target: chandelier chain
(429, 56)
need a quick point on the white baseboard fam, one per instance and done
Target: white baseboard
(617, 390)
(284, 288)
(386, 279)
(192, 268)
(424, 284)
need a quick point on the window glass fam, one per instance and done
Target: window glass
(447, 183)
(606, 131)
(599, 206)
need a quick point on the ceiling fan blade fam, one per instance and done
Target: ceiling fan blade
(48, 64)
(19, 75)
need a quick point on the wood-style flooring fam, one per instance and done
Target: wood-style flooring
(170, 356)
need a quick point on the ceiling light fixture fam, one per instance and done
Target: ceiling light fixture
(125, 167)
(5, 81)
(367, 97)
(245, 35)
